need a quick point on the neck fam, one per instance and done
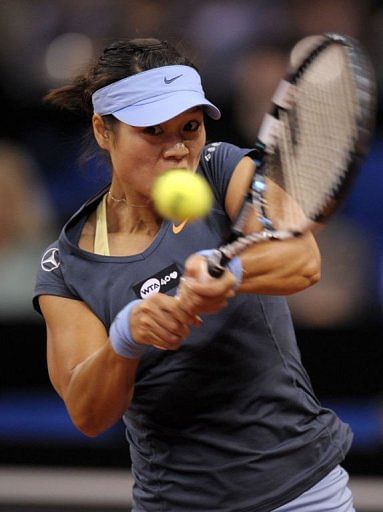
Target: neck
(126, 202)
(124, 216)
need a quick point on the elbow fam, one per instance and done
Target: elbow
(310, 276)
(314, 278)
(88, 426)
(310, 268)
(84, 419)
(89, 431)
(91, 423)
(312, 273)
(313, 270)
(313, 266)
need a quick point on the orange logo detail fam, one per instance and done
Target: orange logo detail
(177, 229)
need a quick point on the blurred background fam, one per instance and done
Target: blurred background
(240, 47)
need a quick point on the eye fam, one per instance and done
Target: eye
(192, 126)
(153, 130)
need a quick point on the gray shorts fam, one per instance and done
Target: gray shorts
(329, 494)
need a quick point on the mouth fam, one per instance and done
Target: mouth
(177, 168)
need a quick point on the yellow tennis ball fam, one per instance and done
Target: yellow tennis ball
(180, 194)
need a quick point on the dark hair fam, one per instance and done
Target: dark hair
(119, 60)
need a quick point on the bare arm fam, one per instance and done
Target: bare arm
(95, 383)
(276, 267)
(281, 267)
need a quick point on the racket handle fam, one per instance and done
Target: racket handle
(214, 269)
(216, 263)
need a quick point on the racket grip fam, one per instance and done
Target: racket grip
(214, 269)
(216, 263)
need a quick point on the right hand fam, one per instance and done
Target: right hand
(160, 321)
(201, 293)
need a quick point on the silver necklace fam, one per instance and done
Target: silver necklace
(123, 200)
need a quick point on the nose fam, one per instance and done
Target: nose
(177, 151)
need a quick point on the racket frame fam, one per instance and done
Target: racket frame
(365, 89)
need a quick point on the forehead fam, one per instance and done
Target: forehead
(177, 122)
(184, 115)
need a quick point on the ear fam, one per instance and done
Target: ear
(101, 132)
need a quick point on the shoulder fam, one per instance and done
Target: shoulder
(216, 152)
(221, 158)
(50, 259)
(51, 276)
(217, 164)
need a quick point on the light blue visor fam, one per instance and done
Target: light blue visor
(154, 96)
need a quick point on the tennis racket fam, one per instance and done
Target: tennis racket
(309, 145)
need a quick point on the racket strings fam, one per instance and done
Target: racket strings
(318, 128)
(315, 140)
(289, 161)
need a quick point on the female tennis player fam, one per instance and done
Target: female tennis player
(220, 414)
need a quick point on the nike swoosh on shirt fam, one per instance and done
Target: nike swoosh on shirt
(177, 229)
(170, 80)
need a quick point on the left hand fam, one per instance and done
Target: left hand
(201, 293)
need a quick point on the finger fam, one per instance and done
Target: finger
(190, 299)
(194, 319)
(196, 304)
(159, 347)
(214, 288)
(206, 291)
(196, 270)
(181, 314)
(171, 310)
(168, 330)
(211, 307)
(156, 335)
(163, 345)
(148, 324)
(173, 320)
(196, 267)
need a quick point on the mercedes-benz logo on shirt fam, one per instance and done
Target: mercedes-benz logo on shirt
(50, 260)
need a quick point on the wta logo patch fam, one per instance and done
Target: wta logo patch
(163, 281)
